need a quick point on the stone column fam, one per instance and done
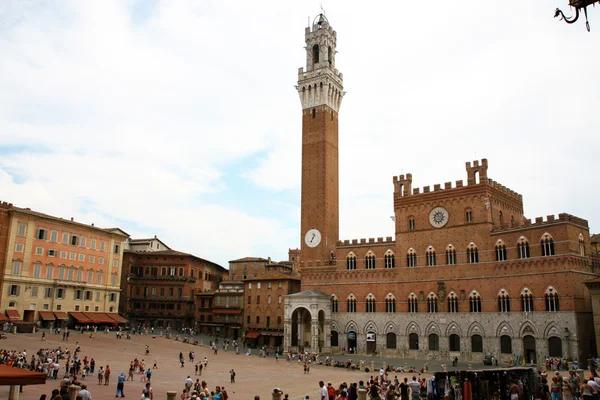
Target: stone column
(13, 393)
(73, 390)
(327, 336)
(171, 395)
(314, 340)
(287, 334)
(300, 331)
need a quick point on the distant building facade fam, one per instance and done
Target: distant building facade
(264, 303)
(55, 270)
(161, 286)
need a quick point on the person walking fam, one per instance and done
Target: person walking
(121, 385)
(232, 375)
(107, 375)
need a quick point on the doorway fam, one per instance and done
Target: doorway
(529, 349)
(371, 343)
(351, 338)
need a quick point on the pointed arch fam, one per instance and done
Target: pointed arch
(453, 329)
(351, 261)
(390, 327)
(475, 329)
(390, 303)
(452, 302)
(431, 259)
(581, 245)
(351, 326)
(371, 326)
(547, 244)
(433, 328)
(370, 303)
(413, 327)
(523, 248)
(528, 329)
(335, 326)
(411, 257)
(389, 259)
(432, 303)
(413, 303)
(552, 329)
(450, 254)
(504, 328)
(500, 250)
(370, 260)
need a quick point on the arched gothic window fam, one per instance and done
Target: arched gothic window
(411, 258)
(475, 302)
(351, 304)
(334, 304)
(526, 300)
(452, 303)
(552, 303)
(413, 305)
(472, 254)
(581, 246)
(389, 259)
(501, 217)
(503, 301)
(351, 261)
(547, 245)
(370, 303)
(411, 223)
(450, 255)
(370, 260)
(430, 254)
(523, 248)
(390, 303)
(315, 51)
(432, 303)
(468, 215)
(500, 251)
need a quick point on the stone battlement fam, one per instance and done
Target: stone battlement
(540, 221)
(403, 183)
(364, 241)
(5, 204)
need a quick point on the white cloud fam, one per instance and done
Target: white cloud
(130, 118)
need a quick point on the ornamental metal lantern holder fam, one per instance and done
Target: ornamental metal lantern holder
(578, 4)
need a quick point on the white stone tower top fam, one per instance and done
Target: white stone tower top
(321, 83)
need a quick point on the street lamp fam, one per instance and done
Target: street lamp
(578, 4)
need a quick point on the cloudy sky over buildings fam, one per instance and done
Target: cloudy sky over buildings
(180, 118)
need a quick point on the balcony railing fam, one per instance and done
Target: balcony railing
(189, 299)
(168, 278)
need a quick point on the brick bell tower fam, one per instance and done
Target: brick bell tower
(321, 91)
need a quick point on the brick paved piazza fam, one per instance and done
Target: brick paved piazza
(254, 375)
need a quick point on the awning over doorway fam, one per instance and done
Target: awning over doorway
(118, 318)
(100, 318)
(3, 317)
(47, 316)
(81, 318)
(61, 315)
(228, 311)
(19, 376)
(13, 314)
(252, 334)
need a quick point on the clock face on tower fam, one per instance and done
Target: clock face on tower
(312, 238)
(438, 217)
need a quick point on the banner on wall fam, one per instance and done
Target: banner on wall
(370, 337)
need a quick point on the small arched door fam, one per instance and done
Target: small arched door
(529, 349)
(555, 347)
(371, 342)
(351, 339)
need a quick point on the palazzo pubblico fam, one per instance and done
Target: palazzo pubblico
(466, 273)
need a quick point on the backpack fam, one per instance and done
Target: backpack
(331, 392)
(225, 395)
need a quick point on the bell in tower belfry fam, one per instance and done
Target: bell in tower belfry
(320, 88)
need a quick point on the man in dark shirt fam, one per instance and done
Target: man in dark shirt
(404, 390)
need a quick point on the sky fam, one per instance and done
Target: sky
(180, 118)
